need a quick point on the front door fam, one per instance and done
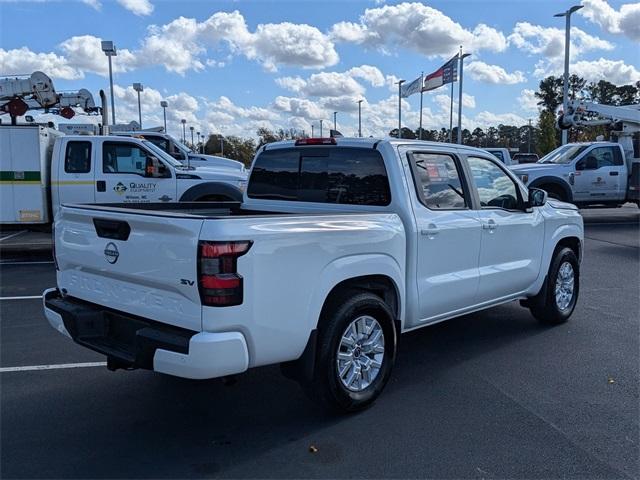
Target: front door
(599, 175)
(123, 176)
(512, 238)
(448, 235)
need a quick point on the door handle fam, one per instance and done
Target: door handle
(614, 173)
(430, 231)
(490, 225)
(101, 186)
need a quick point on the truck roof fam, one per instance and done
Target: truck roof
(369, 142)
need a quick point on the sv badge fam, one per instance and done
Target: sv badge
(184, 281)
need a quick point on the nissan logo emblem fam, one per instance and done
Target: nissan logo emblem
(111, 252)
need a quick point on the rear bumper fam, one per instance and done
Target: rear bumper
(135, 342)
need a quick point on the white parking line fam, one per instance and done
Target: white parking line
(30, 368)
(11, 236)
(28, 297)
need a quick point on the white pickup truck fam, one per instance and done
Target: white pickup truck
(587, 174)
(181, 152)
(40, 169)
(339, 247)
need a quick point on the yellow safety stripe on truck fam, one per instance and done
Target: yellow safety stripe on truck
(73, 182)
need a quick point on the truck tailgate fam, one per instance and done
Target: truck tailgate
(142, 264)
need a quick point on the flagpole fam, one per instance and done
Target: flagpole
(462, 57)
(421, 92)
(400, 82)
(451, 116)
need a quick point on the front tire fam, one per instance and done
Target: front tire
(559, 295)
(356, 352)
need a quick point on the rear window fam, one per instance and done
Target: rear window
(78, 157)
(353, 176)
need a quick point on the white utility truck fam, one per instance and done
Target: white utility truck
(339, 247)
(42, 169)
(181, 152)
(591, 173)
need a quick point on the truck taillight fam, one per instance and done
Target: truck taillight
(218, 279)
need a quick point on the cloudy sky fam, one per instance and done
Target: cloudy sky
(233, 66)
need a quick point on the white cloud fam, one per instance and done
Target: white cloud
(483, 72)
(626, 21)
(21, 60)
(614, 71)
(183, 44)
(444, 101)
(272, 44)
(417, 27)
(528, 101)
(85, 54)
(95, 4)
(486, 119)
(334, 84)
(137, 7)
(549, 41)
(299, 107)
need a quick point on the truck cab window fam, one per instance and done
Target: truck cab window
(601, 157)
(123, 158)
(352, 176)
(78, 157)
(159, 142)
(495, 188)
(438, 181)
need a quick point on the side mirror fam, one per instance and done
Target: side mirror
(537, 197)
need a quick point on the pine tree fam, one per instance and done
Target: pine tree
(547, 139)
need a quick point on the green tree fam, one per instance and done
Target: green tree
(549, 93)
(547, 134)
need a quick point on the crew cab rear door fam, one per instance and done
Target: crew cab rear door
(73, 180)
(142, 263)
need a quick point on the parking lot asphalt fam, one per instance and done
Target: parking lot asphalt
(488, 395)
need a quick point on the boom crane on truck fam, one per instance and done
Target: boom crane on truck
(624, 119)
(36, 91)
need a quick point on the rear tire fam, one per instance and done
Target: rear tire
(356, 351)
(557, 299)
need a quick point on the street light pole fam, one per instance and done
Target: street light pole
(400, 82)
(529, 138)
(184, 130)
(138, 88)
(164, 106)
(320, 128)
(109, 50)
(313, 129)
(360, 118)
(567, 44)
(335, 122)
(192, 145)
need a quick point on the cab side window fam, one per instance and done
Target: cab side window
(123, 158)
(495, 188)
(78, 157)
(601, 157)
(438, 181)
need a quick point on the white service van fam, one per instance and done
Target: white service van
(42, 168)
